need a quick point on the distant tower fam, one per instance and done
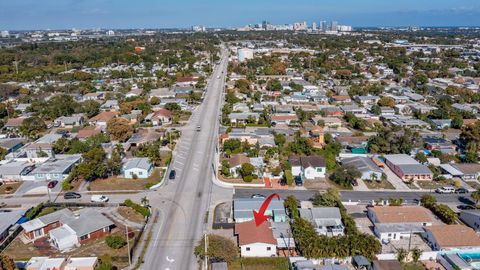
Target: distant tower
(334, 26)
(314, 26)
(323, 25)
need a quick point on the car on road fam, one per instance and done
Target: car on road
(465, 207)
(172, 174)
(461, 190)
(445, 190)
(218, 77)
(52, 184)
(99, 198)
(72, 195)
(198, 128)
(258, 196)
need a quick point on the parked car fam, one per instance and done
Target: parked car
(99, 198)
(354, 182)
(52, 184)
(298, 181)
(445, 190)
(71, 195)
(172, 174)
(461, 190)
(199, 128)
(466, 207)
(258, 196)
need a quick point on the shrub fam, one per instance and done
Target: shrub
(115, 241)
(137, 207)
(33, 212)
(289, 177)
(248, 179)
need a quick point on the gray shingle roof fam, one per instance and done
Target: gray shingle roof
(141, 163)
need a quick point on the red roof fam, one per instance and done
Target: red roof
(163, 112)
(249, 233)
(87, 132)
(186, 79)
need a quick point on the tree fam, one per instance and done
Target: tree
(119, 129)
(115, 241)
(274, 85)
(345, 175)
(7, 263)
(476, 196)
(420, 156)
(32, 126)
(173, 107)
(428, 200)
(386, 102)
(401, 254)
(291, 204)
(114, 164)
(246, 171)
(416, 254)
(288, 177)
(471, 133)
(3, 153)
(90, 108)
(93, 165)
(150, 150)
(328, 199)
(219, 249)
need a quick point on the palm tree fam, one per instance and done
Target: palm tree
(144, 201)
(476, 196)
(401, 254)
(416, 254)
(373, 177)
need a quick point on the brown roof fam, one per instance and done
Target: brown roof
(186, 79)
(340, 98)
(456, 235)
(284, 117)
(163, 112)
(312, 161)
(238, 159)
(468, 168)
(402, 214)
(249, 233)
(103, 116)
(15, 122)
(87, 132)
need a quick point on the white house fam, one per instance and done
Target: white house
(308, 167)
(137, 168)
(256, 241)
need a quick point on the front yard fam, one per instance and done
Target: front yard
(9, 187)
(119, 183)
(378, 184)
(435, 184)
(259, 263)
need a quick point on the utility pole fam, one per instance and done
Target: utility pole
(48, 190)
(128, 247)
(206, 256)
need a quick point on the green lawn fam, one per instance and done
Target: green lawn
(413, 266)
(259, 263)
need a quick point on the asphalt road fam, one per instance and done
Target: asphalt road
(355, 196)
(183, 213)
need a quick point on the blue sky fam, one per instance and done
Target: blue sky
(59, 14)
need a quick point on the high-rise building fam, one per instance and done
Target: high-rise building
(265, 25)
(314, 26)
(334, 26)
(323, 26)
(5, 34)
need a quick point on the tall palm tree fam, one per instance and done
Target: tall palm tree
(373, 177)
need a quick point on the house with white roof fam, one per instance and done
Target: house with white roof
(137, 168)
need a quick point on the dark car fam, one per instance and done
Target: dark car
(298, 181)
(354, 182)
(52, 184)
(461, 190)
(71, 195)
(465, 207)
(172, 174)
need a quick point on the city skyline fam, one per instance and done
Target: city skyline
(51, 14)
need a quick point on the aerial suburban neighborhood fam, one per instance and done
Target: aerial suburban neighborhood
(296, 146)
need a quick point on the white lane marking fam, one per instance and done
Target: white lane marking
(169, 260)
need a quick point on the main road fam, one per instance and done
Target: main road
(183, 203)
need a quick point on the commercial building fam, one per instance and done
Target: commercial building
(408, 168)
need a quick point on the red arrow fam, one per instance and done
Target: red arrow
(260, 216)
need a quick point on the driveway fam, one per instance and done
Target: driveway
(396, 181)
(35, 188)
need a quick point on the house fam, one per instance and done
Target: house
(367, 100)
(451, 237)
(284, 237)
(186, 81)
(469, 171)
(137, 168)
(471, 218)
(14, 123)
(70, 121)
(398, 222)
(15, 170)
(94, 96)
(87, 132)
(408, 168)
(159, 117)
(368, 168)
(308, 167)
(69, 263)
(326, 220)
(41, 226)
(102, 118)
(9, 222)
(84, 225)
(243, 118)
(284, 118)
(442, 123)
(162, 93)
(235, 162)
(242, 209)
(111, 104)
(56, 168)
(11, 144)
(256, 241)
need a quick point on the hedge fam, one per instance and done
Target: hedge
(137, 207)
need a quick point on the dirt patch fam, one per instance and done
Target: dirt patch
(9, 187)
(118, 183)
(130, 214)
(379, 184)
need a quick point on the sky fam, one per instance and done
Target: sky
(114, 14)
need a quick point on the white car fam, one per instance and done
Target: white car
(99, 198)
(445, 190)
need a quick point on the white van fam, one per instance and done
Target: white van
(99, 198)
(445, 190)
